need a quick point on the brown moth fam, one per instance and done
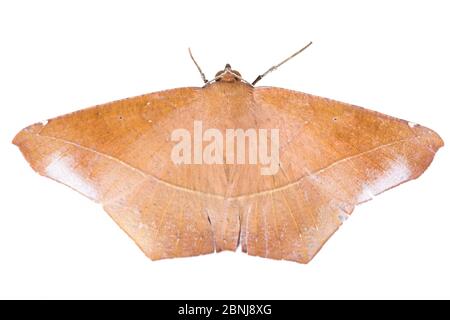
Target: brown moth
(329, 157)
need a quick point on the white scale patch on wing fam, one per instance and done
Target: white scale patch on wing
(62, 169)
(398, 173)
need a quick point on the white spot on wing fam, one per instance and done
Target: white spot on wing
(62, 170)
(44, 123)
(412, 124)
(398, 173)
(142, 226)
(366, 194)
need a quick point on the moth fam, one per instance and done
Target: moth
(179, 192)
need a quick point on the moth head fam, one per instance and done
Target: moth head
(228, 74)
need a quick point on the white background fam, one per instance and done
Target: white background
(60, 56)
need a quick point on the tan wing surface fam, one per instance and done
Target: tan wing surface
(333, 157)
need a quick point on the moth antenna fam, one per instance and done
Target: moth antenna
(273, 68)
(198, 67)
